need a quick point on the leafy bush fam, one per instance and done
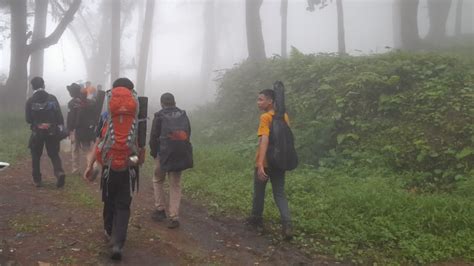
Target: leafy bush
(412, 112)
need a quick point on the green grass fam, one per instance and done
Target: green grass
(14, 136)
(361, 214)
(27, 223)
(79, 194)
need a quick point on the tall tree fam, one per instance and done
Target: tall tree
(458, 25)
(145, 46)
(39, 32)
(409, 35)
(341, 32)
(255, 43)
(209, 45)
(115, 45)
(438, 11)
(341, 39)
(20, 51)
(284, 26)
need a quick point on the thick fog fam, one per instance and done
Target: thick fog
(178, 32)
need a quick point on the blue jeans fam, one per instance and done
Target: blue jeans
(277, 178)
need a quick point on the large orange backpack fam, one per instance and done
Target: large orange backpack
(119, 133)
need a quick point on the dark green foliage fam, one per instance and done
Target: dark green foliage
(411, 112)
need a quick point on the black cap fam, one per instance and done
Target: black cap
(167, 99)
(37, 83)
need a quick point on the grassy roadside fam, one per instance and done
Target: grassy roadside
(364, 215)
(14, 136)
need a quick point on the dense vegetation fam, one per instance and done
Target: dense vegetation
(387, 148)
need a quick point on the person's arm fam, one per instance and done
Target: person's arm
(263, 140)
(155, 136)
(59, 114)
(262, 152)
(91, 158)
(28, 117)
(189, 127)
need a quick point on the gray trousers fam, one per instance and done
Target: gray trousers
(277, 178)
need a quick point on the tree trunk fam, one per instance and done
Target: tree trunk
(16, 84)
(255, 43)
(39, 32)
(438, 11)
(115, 45)
(409, 24)
(341, 39)
(20, 51)
(458, 25)
(396, 23)
(209, 46)
(145, 46)
(284, 26)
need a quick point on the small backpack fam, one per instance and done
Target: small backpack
(45, 113)
(119, 132)
(176, 152)
(281, 153)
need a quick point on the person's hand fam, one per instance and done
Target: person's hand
(72, 136)
(261, 175)
(88, 173)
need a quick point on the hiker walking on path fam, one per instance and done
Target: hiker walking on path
(264, 172)
(80, 123)
(116, 149)
(172, 150)
(43, 113)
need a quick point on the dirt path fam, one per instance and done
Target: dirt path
(41, 226)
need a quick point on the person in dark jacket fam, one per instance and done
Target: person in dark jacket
(46, 121)
(80, 124)
(170, 146)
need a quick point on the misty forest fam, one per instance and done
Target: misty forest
(379, 101)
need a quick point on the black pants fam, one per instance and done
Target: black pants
(36, 145)
(116, 195)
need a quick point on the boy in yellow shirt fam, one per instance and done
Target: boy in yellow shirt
(263, 172)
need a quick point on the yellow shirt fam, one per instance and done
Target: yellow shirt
(264, 129)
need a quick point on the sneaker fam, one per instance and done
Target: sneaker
(255, 223)
(158, 215)
(172, 224)
(116, 253)
(61, 181)
(287, 232)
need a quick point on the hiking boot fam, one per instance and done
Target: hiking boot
(116, 253)
(172, 224)
(158, 215)
(255, 223)
(287, 232)
(61, 181)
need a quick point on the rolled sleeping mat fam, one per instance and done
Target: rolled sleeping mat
(142, 120)
(99, 104)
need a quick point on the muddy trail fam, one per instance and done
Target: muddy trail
(43, 226)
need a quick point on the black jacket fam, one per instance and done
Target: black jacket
(52, 116)
(156, 130)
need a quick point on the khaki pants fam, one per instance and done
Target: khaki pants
(79, 153)
(174, 191)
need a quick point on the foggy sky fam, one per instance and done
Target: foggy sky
(177, 41)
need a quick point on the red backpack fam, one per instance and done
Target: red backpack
(119, 133)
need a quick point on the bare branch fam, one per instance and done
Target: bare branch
(54, 37)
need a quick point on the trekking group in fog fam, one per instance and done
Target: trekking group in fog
(109, 140)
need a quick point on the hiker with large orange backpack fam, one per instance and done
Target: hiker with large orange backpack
(120, 152)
